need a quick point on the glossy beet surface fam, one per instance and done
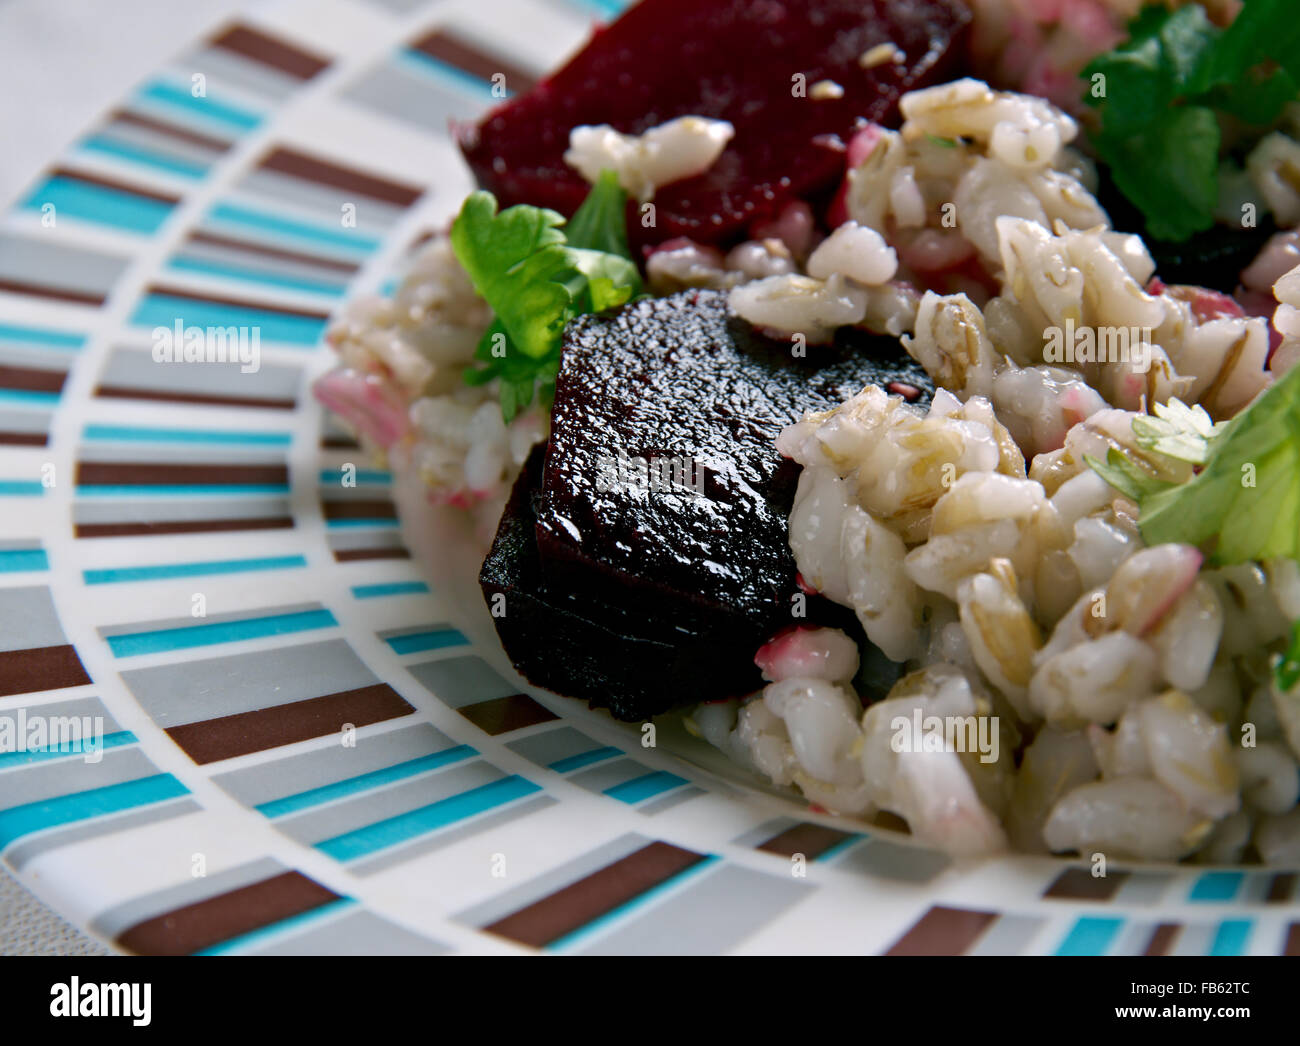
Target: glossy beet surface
(700, 568)
(735, 60)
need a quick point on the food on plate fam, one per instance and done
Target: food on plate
(930, 436)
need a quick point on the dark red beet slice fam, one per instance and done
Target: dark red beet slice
(727, 59)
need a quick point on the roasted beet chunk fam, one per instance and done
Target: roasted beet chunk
(755, 63)
(658, 526)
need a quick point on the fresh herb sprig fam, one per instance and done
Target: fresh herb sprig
(1160, 93)
(537, 273)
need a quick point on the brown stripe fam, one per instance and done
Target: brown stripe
(40, 668)
(1162, 939)
(503, 714)
(42, 290)
(943, 931)
(1281, 887)
(181, 134)
(239, 303)
(1077, 884)
(184, 931)
(24, 439)
(338, 441)
(232, 735)
(133, 474)
(347, 555)
(118, 392)
(32, 379)
(273, 252)
(314, 169)
(811, 840)
(465, 56)
(377, 509)
(180, 526)
(254, 44)
(115, 185)
(1292, 946)
(571, 908)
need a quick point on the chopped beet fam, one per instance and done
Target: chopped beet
(733, 60)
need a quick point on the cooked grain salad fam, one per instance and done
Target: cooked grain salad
(1070, 576)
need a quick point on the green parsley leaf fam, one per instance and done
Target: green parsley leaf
(600, 223)
(1245, 502)
(1287, 671)
(1178, 431)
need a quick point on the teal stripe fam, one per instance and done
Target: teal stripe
(165, 639)
(40, 336)
(29, 397)
(135, 433)
(1216, 886)
(181, 98)
(96, 203)
(80, 806)
(448, 74)
(247, 216)
(395, 588)
(841, 846)
(113, 575)
(235, 272)
(163, 310)
(39, 755)
(255, 938)
(364, 782)
(15, 559)
(1231, 937)
(604, 7)
(427, 819)
(416, 642)
(641, 788)
(146, 157)
(21, 488)
(364, 477)
(345, 524)
(625, 909)
(177, 490)
(1090, 935)
(576, 762)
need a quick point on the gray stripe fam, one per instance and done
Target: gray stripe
(191, 891)
(1133, 938)
(136, 368)
(710, 916)
(20, 544)
(174, 510)
(400, 6)
(42, 781)
(28, 619)
(44, 261)
(460, 681)
(755, 837)
(346, 540)
(551, 746)
(301, 773)
(495, 908)
(185, 454)
(176, 148)
(407, 95)
(225, 66)
(36, 356)
(324, 202)
(607, 775)
(1143, 888)
(877, 857)
(78, 707)
(161, 624)
(1009, 935)
(19, 420)
(194, 691)
(24, 851)
(315, 826)
(354, 933)
(1195, 939)
(333, 492)
(676, 798)
(1255, 888)
(260, 263)
(516, 810)
(413, 630)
